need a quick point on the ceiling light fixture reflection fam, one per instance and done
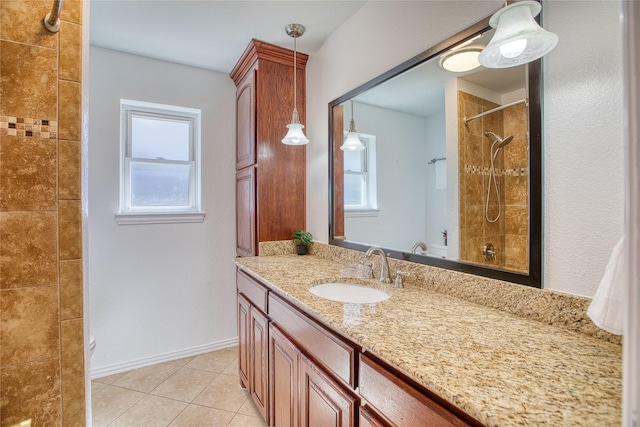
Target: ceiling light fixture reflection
(352, 142)
(518, 38)
(295, 134)
(461, 60)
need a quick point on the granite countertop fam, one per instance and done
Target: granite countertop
(499, 368)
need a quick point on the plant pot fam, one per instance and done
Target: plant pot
(302, 249)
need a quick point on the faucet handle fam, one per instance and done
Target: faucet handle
(368, 272)
(398, 283)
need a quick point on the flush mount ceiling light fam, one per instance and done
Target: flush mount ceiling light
(461, 60)
(352, 143)
(518, 38)
(295, 135)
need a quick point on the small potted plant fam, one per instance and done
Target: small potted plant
(302, 239)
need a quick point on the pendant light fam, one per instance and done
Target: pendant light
(352, 142)
(295, 135)
(518, 38)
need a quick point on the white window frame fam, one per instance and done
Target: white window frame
(370, 209)
(128, 214)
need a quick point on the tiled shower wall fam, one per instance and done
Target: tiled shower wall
(41, 301)
(509, 234)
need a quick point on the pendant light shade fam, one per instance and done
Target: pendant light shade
(295, 134)
(352, 142)
(518, 38)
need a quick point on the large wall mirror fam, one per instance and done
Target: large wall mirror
(450, 173)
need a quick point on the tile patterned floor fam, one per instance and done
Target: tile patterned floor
(196, 391)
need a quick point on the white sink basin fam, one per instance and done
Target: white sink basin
(349, 292)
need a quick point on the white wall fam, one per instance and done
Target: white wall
(583, 111)
(159, 290)
(400, 158)
(435, 199)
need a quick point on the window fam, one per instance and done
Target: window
(360, 195)
(160, 164)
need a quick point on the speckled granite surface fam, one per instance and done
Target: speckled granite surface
(502, 369)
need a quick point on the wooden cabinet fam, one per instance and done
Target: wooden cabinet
(283, 378)
(301, 374)
(323, 401)
(273, 206)
(402, 404)
(253, 338)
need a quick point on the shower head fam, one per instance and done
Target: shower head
(502, 142)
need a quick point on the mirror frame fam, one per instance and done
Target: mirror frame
(534, 73)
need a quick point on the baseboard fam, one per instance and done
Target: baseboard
(166, 357)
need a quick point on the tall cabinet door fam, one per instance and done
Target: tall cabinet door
(243, 341)
(246, 237)
(246, 122)
(323, 402)
(283, 379)
(259, 361)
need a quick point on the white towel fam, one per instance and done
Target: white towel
(607, 307)
(441, 175)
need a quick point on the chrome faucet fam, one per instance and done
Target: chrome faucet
(420, 245)
(384, 265)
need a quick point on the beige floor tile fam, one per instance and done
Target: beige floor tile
(184, 385)
(96, 387)
(249, 408)
(200, 416)
(241, 420)
(180, 362)
(151, 411)
(223, 392)
(110, 379)
(111, 402)
(216, 361)
(232, 368)
(147, 378)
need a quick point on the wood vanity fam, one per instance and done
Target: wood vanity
(299, 372)
(418, 359)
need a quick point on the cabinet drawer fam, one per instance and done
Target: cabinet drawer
(399, 402)
(252, 290)
(336, 355)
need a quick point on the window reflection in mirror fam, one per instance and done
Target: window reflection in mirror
(452, 165)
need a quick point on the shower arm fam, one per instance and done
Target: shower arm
(52, 20)
(495, 110)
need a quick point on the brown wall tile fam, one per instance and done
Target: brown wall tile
(516, 220)
(29, 327)
(28, 174)
(22, 21)
(69, 169)
(517, 254)
(28, 84)
(70, 229)
(70, 110)
(73, 408)
(32, 390)
(28, 254)
(72, 348)
(71, 300)
(70, 52)
(72, 11)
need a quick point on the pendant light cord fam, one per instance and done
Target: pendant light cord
(295, 80)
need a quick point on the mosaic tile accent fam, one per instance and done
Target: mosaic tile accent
(484, 171)
(28, 127)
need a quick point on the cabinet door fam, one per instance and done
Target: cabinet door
(246, 243)
(246, 122)
(258, 366)
(243, 341)
(323, 402)
(283, 379)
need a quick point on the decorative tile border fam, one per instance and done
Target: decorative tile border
(28, 127)
(477, 170)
